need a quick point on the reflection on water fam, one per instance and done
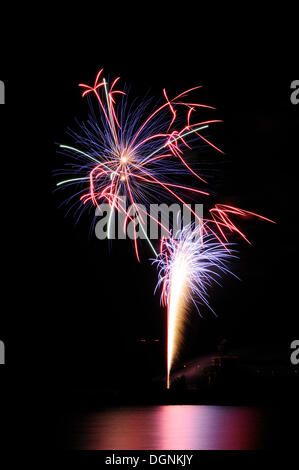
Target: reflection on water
(185, 427)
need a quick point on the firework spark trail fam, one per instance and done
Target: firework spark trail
(188, 265)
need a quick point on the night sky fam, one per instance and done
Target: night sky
(78, 308)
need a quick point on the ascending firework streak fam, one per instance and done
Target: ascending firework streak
(188, 265)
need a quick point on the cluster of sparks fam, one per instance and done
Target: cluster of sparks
(129, 152)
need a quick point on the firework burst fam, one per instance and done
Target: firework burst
(134, 154)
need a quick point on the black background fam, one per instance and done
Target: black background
(75, 311)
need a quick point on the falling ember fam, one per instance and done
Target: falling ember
(188, 264)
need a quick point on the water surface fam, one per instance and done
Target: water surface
(167, 427)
